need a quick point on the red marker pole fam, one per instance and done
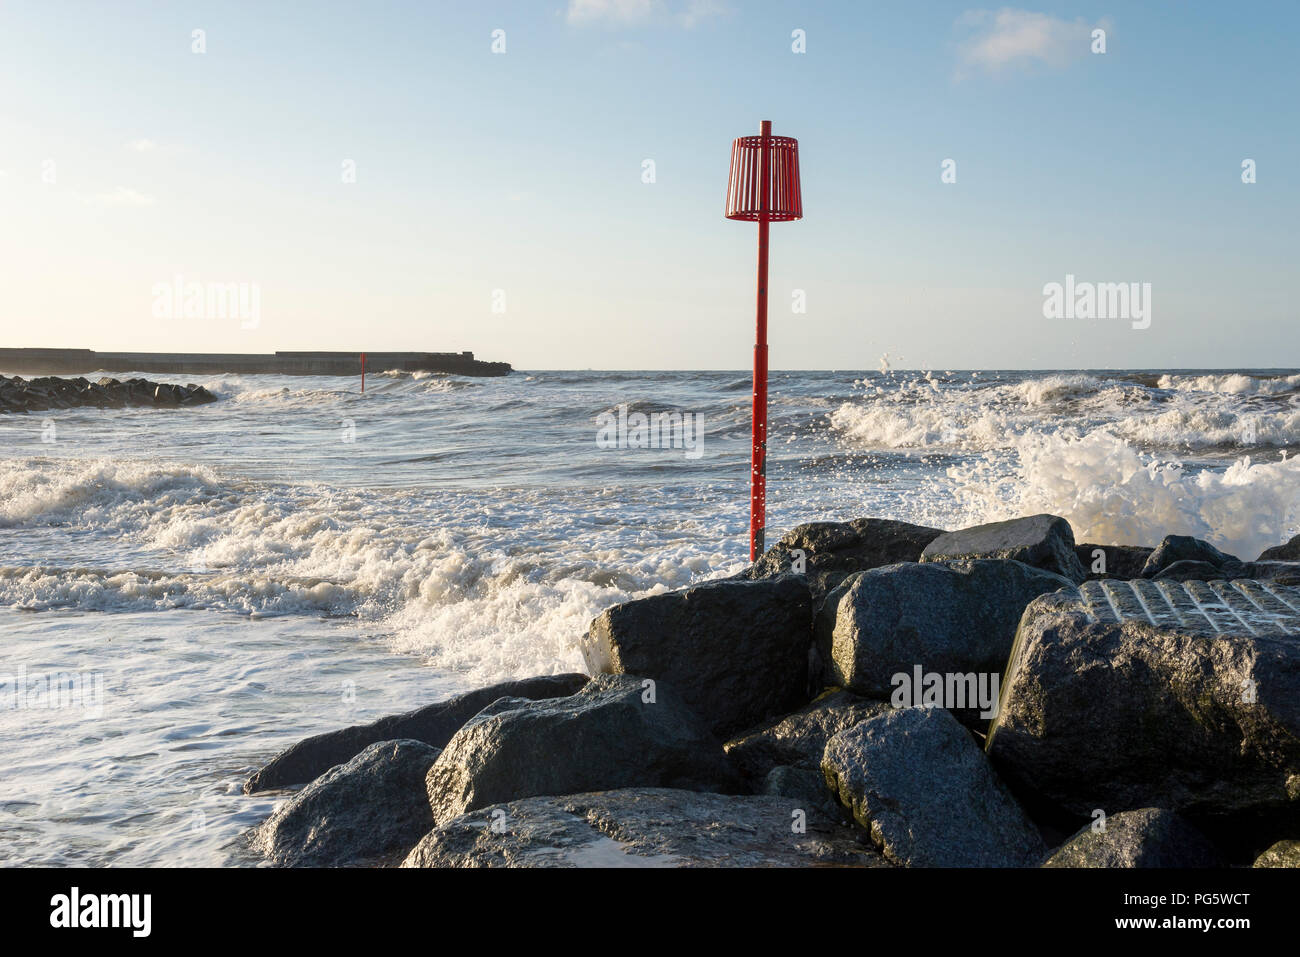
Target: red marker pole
(764, 188)
(758, 453)
(363, 372)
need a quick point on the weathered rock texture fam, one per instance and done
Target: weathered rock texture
(918, 782)
(1040, 541)
(1281, 854)
(828, 552)
(1289, 552)
(1185, 696)
(806, 787)
(358, 813)
(736, 651)
(1184, 548)
(951, 617)
(1149, 837)
(609, 735)
(799, 739)
(1191, 570)
(643, 827)
(1116, 561)
(433, 724)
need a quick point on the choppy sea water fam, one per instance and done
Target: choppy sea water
(218, 582)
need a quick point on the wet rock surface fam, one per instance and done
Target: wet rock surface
(357, 813)
(735, 650)
(433, 724)
(644, 827)
(618, 732)
(919, 784)
(51, 393)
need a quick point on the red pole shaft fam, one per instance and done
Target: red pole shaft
(758, 459)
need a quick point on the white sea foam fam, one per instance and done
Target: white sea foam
(488, 605)
(1112, 494)
(1232, 383)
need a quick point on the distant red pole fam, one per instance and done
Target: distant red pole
(758, 457)
(363, 372)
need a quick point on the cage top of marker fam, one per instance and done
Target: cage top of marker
(745, 185)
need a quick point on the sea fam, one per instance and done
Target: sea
(185, 592)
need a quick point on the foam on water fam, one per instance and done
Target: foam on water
(1112, 494)
(490, 602)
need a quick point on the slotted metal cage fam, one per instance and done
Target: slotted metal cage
(745, 187)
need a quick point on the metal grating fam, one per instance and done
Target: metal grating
(745, 200)
(1242, 607)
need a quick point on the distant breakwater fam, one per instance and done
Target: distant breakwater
(69, 361)
(50, 392)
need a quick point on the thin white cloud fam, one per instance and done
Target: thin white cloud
(1005, 38)
(142, 146)
(697, 10)
(630, 13)
(122, 196)
(622, 12)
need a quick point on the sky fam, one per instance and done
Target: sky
(542, 182)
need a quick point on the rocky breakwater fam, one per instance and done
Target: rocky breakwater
(51, 393)
(868, 694)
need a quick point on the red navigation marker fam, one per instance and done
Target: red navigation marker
(763, 187)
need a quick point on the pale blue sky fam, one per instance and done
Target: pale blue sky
(522, 172)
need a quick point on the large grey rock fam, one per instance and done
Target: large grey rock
(1185, 696)
(618, 732)
(950, 618)
(643, 827)
(372, 807)
(1040, 541)
(1281, 854)
(799, 739)
(1112, 561)
(736, 651)
(1149, 837)
(433, 724)
(828, 552)
(1288, 552)
(1183, 548)
(918, 782)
